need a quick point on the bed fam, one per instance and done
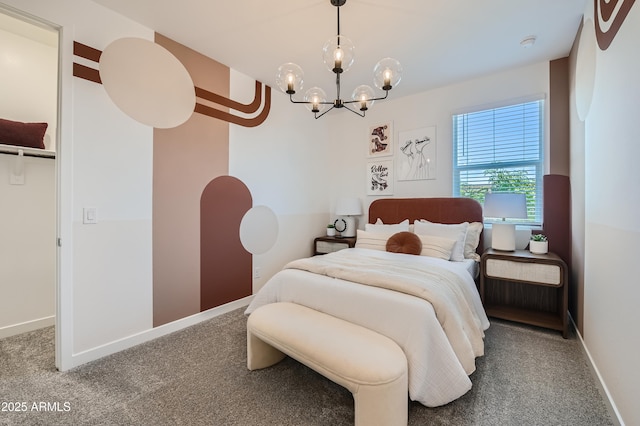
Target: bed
(427, 304)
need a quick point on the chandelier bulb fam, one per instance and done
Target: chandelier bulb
(289, 78)
(387, 80)
(387, 74)
(315, 99)
(338, 60)
(364, 96)
(338, 54)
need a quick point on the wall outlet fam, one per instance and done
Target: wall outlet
(256, 272)
(16, 179)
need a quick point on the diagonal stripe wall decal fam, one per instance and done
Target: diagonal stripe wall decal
(93, 74)
(607, 22)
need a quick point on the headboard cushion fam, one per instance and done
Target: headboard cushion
(438, 209)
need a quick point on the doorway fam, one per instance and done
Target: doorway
(29, 66)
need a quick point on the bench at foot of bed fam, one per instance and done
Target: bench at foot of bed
(371, 366)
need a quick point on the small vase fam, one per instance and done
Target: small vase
(539, 247)
(331, 232)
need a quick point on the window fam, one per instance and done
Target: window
(501, 150)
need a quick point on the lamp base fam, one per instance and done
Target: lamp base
(351, 227)
(503, 236)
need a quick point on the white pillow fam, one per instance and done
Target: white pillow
(436, 246)
(387, 229)
(456, 232)
(472, 240)
(372, 240)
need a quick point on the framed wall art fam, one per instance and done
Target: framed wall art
(380, 140)
(380, 177)
(417, 154)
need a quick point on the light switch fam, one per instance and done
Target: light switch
(89, 215)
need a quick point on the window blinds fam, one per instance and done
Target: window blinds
(501, 149)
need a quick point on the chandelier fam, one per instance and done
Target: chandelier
(338, 56)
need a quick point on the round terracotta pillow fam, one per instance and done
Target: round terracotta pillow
(404, 242)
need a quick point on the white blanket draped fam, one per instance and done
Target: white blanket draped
(441, 338)
(442, 288)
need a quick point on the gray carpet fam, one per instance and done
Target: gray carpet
(198, 376)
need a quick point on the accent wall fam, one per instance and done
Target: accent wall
(106, 162)
(604, 148)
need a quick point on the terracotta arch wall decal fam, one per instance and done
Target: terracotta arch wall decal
(225, 266)
(92, 74)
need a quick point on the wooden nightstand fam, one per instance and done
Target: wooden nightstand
(324, 245)
(525, 287)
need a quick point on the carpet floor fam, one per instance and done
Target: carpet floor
(198, 376)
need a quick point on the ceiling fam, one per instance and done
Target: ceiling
(438, 42)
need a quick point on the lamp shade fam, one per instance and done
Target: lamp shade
(365, 95)
(387, 73)
(315, 98)
(338, 54)
(505, 205)
(348, 206)
(290, 78)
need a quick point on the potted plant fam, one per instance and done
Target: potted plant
(331, 230)
(538, 244)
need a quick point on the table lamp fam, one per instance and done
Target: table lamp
(347, 207)
(504, 205)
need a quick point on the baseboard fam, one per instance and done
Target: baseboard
(148, 335)
(611, 405)
(12, 330)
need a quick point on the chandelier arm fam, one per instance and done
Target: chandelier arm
(293, 101)
(381, 98)
(318, 116)
(338, 7)
(353, 110)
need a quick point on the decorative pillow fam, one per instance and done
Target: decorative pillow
(372, 240)
(404, 242)
(455, 232)
(436, 246)
(29, 135)
(387, 229)
(472, 240)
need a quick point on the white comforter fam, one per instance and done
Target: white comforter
(430, 307)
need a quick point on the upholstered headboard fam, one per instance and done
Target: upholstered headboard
(441, 210)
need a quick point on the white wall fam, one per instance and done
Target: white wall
(433, 108)
(609, 139)
(285, 164)
(29, 65)
(105, 278)
(27, 246)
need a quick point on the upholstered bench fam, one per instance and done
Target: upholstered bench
(371, 366)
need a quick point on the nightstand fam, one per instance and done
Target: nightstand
(324, 245)
(526, 287)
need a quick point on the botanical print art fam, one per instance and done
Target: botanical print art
(380, 140)
(380, 177)
(417, 154)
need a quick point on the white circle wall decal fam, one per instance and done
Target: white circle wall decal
(259, 229)
(585, 73)
(147, 82)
